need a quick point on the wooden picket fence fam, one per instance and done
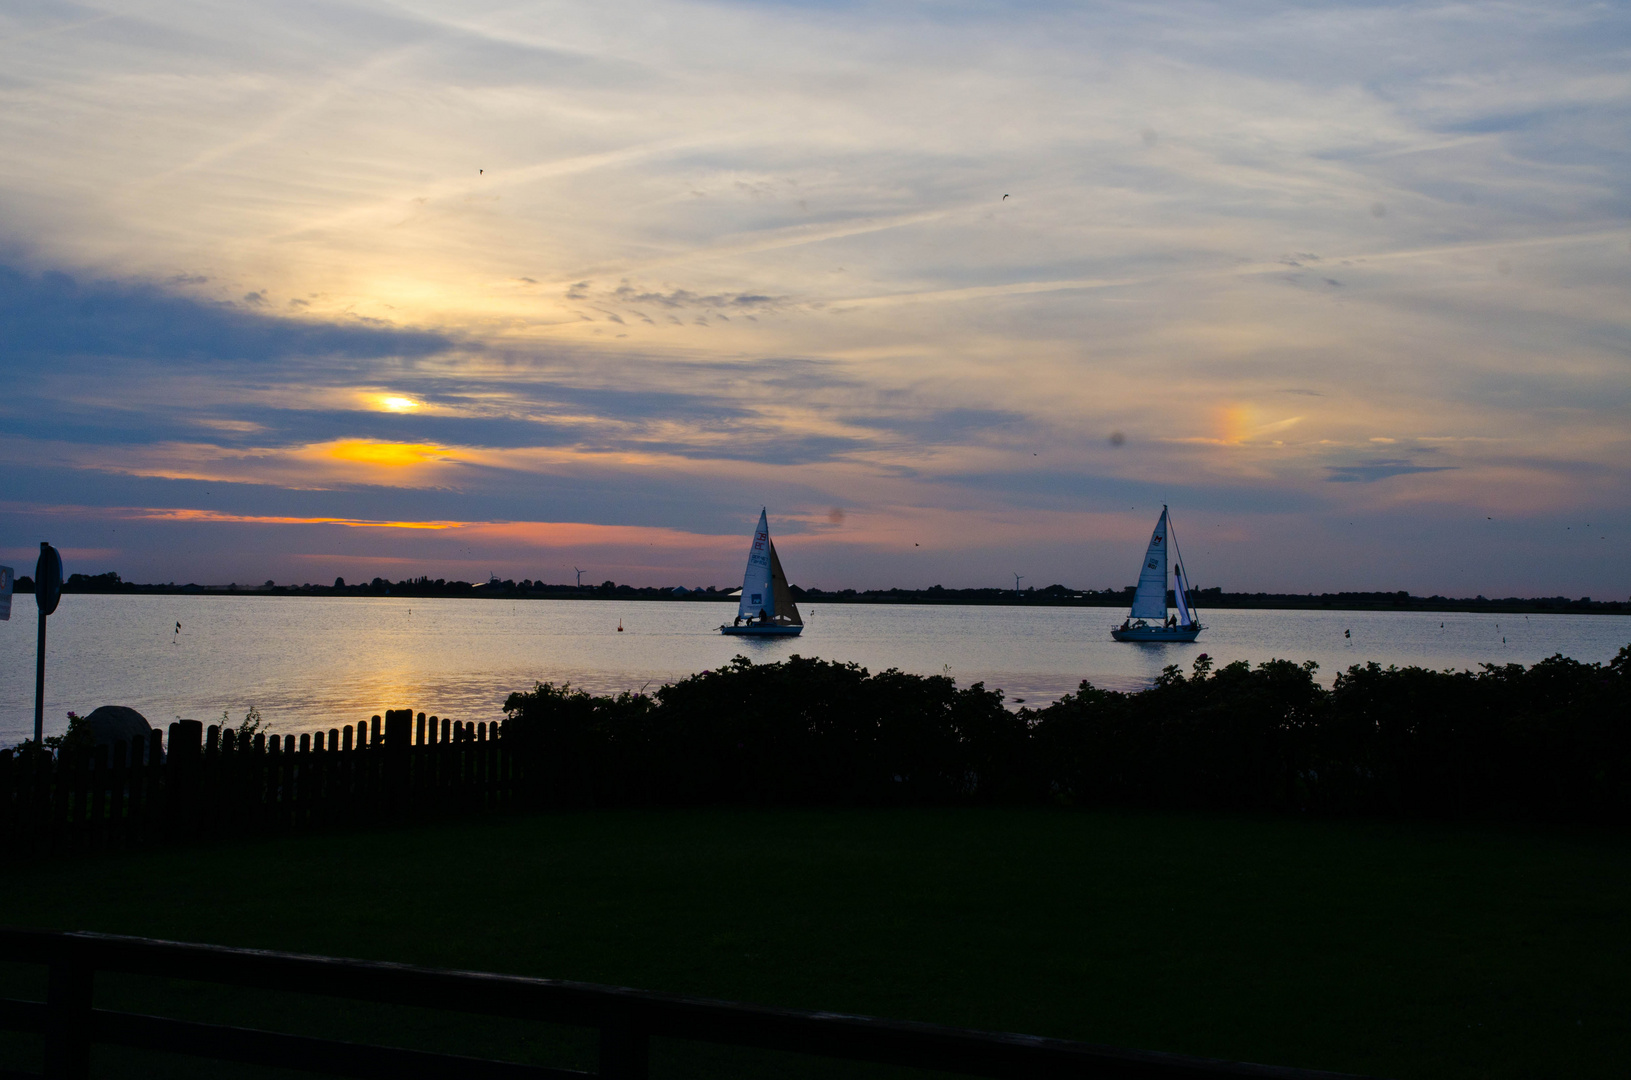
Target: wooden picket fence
(200, 783)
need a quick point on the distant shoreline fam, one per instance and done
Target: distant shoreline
(1214, 599)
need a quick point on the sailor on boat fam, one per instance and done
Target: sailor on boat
(766, 607)
(1148, 620)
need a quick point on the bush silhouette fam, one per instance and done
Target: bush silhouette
(1549, 742)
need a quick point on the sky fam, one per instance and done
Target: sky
(958, 291)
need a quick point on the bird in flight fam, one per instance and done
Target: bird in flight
(1005, 196)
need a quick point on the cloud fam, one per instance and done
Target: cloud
(52, 315)
(1372, 471)
(216, 517)
(684, 298)
(643, 265)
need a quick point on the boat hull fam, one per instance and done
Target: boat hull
(1157, 633)
(761, 631)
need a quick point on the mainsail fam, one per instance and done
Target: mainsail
(757, 595)
(785, 612)
(1150, 601)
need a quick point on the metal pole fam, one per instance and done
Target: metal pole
(39, 687)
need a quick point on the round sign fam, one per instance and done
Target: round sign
(48, 579)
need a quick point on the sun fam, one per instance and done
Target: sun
(398, 404)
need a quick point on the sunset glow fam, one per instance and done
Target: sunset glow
(995, 282)
(383, 454)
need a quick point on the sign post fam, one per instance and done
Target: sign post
(47, 591)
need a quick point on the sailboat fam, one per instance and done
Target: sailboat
(766, 607)
(1150, 600)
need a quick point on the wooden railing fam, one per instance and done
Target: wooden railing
(627, 1021)
(199, 784)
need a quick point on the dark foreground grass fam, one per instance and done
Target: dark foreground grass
(1401, 950)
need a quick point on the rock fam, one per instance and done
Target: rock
(116, 723)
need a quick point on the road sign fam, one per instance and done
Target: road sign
(48, 579)
(6, 578)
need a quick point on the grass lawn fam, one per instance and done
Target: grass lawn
(1401, 950)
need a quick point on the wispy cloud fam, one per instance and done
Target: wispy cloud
(638, 265)
(1372, 471)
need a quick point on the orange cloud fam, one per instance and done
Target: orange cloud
(386, 454)
(1234, 423)
(213, 516)
(1238, 425)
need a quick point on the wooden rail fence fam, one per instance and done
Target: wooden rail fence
(200, 784)
(627, 1021)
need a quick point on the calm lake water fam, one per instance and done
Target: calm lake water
(321, 662)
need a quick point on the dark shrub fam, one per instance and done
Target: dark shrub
(1550, 742)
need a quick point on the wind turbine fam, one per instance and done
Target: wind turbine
(1018, 577)
(580, 577)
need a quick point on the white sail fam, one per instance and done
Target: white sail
(756, 592)
(1150, 601)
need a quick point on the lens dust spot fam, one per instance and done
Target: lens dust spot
(1117, 439)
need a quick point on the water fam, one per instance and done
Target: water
(321, 662)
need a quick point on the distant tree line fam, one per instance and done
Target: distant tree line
(1550, 742)
(1051, 596)
(496, 588)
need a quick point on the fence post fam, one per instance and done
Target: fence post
(60, 820)
(398, 738)
(625, 1050)
(116, 797)
(68, 1017)
(100, 797)
(157, 790)
(134, 802)
(79, 797)
(418, 789)
(182, 766)
(372, 764)
(210, 781)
